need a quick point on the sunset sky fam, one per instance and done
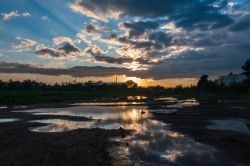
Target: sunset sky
(166, 42)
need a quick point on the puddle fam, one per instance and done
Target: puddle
(109, 104)
(166, 99)
(237, 125)
(132, 98)
(20, 106)
(8, 120)
(152, 142)
(164, 111)
(102, 117)
(59, 125)
(96, 112)
(184, 103)
(3, 107)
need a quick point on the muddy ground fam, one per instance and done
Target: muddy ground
(20, 147)
(192, 121)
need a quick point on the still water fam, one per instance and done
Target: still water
(152, 142)
(236, 125)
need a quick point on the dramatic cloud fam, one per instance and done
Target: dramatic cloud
(65, 50)
(92, 29)
(12, 14)
(139, 28)
(69, 48)
(242, 24)
(193, 13)
(78, 71)
(109, 59)
(93, 50)
(145, 38)
(47, 52)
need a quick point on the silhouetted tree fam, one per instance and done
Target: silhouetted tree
(131, 84)
(246, 68)
(202, 83)
(206, 85)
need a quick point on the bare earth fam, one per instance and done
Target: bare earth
(192, 121)
(20, 147)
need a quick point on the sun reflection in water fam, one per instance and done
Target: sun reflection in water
(152, 142)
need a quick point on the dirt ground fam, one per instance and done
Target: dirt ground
(192, 121)
(20, 147)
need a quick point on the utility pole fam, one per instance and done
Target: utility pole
(116, 79)
(75, 79)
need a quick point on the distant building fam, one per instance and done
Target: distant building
(232, 79)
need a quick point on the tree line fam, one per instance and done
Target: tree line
(89, 85)
(203, 85)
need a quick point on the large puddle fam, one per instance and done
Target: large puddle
(7, 120)
(152, 142)
(236, 125)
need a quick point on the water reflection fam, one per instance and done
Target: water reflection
(237, 125)
(112, 113)
(166, 99)
(59, 125)
(3, 107)
(107, 119)
(184, 103)
(125, 103)
(164, 111)
(152, 143)
(132, 98)
(6, 120)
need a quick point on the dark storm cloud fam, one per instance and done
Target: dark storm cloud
(161, 39)
(66, 49)
(147, 45)
(109, 59)
(201, 16)
(93, 51)
(69, 48)
(219, 61)
(79, 71)
(199, 30)
(122, 60)
(138, 28)
(91, 29)
(156, 40)
(48, 51)
(192, 13)
(242, 24)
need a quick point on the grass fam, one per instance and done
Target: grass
(27, 97)
(24, 97)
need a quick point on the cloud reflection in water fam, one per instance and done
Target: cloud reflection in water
(152, 141)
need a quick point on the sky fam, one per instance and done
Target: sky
(166, 42)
